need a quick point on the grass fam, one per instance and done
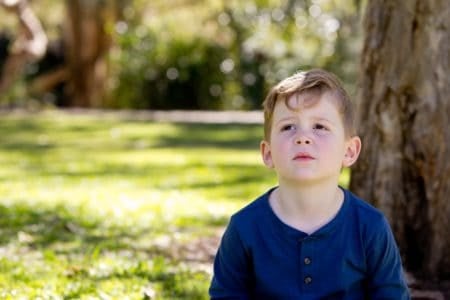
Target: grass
(106, 208)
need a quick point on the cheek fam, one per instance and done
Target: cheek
(331, 147)
(282, 145)
(279, 151)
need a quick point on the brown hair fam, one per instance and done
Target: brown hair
(316, 82)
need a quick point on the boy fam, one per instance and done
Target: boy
(308, 238)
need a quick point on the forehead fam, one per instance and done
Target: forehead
(325, 104)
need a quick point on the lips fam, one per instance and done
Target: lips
(303, 156)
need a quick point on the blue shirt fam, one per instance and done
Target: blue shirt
(354, 256)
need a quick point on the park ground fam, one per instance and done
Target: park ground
(125, 205)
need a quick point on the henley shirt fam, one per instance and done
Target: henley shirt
(354, 256)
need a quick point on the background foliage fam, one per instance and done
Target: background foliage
(216, 54)
(225, 54)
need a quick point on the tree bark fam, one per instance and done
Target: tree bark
(29, 45)
(403, 111)
(87, 44)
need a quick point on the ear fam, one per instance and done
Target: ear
(353, 148)
(266, 154)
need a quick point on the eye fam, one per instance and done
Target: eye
(287, 127)
(319, 126)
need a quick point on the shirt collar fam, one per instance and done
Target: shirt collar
(290, 233)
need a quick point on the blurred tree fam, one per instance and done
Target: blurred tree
(404, 111)
(87, 43)
(213, 54)
(225, 54)
(29, 45)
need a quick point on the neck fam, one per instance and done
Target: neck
(307, 207)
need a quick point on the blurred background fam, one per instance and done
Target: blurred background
(130, 130)
(176, 54)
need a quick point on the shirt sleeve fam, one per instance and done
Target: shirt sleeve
(231, 279)
(386, 277)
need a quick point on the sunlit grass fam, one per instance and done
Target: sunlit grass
(96, 207)
(99, 207)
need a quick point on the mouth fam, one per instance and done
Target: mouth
(303, 156)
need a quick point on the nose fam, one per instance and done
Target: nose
(302, 138)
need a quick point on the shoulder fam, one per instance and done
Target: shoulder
(373, 226)
(246, 221)
(370, 221)
(382, 256)
(243, 225)
(366, 213)
(254, 210)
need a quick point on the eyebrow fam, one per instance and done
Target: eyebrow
(316, 119)
(324, 120)
(284, 120)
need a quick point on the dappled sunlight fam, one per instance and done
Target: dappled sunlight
(87, 203)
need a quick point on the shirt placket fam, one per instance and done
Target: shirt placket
(307, 262)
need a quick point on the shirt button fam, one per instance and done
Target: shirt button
(307, 260)
(307, 280)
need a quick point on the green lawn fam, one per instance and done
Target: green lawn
(106, 208)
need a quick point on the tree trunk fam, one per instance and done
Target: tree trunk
(87, 44)
(29, 45)
(403, 111)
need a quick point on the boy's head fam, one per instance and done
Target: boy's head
(315, 82)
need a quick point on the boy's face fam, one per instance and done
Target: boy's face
(308, 143)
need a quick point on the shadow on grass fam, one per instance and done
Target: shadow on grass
(42, 228)
(45, 228)
(191, 175)
(22, 135)
(65, 233)
(213, 136)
